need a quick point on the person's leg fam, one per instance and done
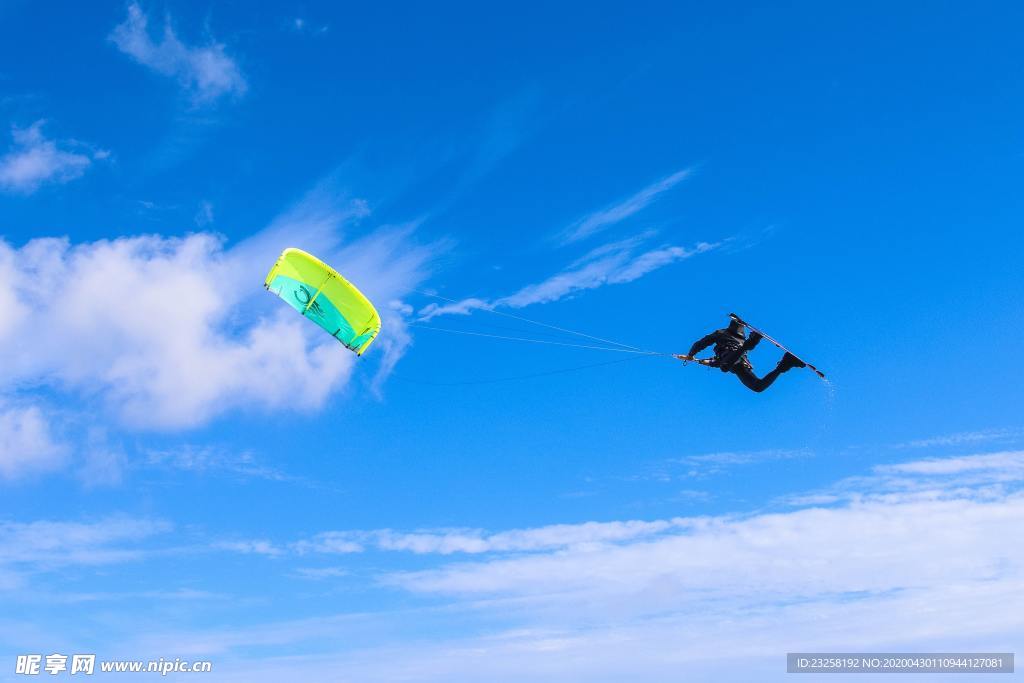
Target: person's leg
(752, 381)
(753, 340)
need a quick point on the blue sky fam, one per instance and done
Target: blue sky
(189, 469)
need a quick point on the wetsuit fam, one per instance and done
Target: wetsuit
(731, 347)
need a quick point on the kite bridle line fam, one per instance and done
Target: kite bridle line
(489, 309)
(622, 348)
(495, 380)
(639, 352)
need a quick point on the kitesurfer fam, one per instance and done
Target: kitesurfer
(731, 348)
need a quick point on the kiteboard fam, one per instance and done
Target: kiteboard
(750, 327)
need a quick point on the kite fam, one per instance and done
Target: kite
(321, 294)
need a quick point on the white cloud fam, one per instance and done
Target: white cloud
(475, 541)
(794, 555)
(146, 315)
(611, 264)
(35, 160)
(102, 466)
(203, 459)
(204, 216)
(962, 438)
(12, 313)
(607, 217)
(920, 557)
(710, 645)
(43, 545)
(320, 573)
(1009, 463)
(915, 557)
(388, 265)
(400, 307)
(556, 536)
(300, 25)
(250, 547)
(715, 463)
(615, 268)
(888, 528)
(987, 475)
(205, 72)
(27, 444)
(710, 464)
(174, 595)
(726, 458)
(336, 542)
(170, 332)
(462, 307)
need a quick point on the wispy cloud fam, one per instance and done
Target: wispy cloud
(1009, 463)
(204, 216)
(178, 594)
(711, 464)
(304, 26)
(476, 541)
(250, 547)
(612, 264)
(35, 160)
(44, 545)
(714, 463)
(609, 216)
(205, 459)
(988, 474)
(612, 269)
(102, 464)
(968, 438)
(206, 73)
(334, 542)
(321, 573)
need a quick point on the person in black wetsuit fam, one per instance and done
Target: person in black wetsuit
(731, 347)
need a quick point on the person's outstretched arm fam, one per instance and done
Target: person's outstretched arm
(703, 343)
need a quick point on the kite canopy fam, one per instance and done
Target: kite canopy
(318, 292)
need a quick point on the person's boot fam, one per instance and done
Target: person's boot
(789, 361)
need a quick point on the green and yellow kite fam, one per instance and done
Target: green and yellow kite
(320, 293)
